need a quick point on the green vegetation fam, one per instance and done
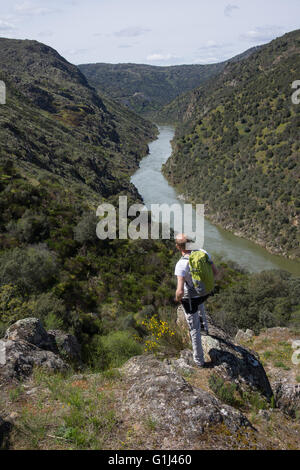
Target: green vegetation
(55, 124)
(63, 274)
(64, 150)
(238, 147)
(230, 394)
(257, 301)
(68, 413)
(146, 88)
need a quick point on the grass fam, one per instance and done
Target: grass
(67, 412)
(150, 423)
(16, 392)
(231, 395)
(227, 393)
(274, 353)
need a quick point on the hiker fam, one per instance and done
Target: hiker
(191, 300)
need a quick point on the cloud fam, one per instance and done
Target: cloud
(229, 9)
(45, 34)
(210, 45)
(76, 51)
(262, 34)
(32, 9)
(131, 32)
(155, 57)
(124, 46)
(206, 60)
(6, 27)
(211, 52)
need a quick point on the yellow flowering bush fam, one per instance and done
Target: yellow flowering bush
(157, 329)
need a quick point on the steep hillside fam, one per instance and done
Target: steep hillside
(174, 111)
(55, 121)
(63, 151)
(146, 88)
(238, 147)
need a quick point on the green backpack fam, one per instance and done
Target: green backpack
(201, 272)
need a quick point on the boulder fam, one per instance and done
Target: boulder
(243, 335)
(5, 428)
(287, 396)
(158, 392)
(296, 344)
(22, 357)
(230, 361)
(26, 344)
(68, 346)
(32, 331)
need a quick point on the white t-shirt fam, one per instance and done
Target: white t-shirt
(183, 269)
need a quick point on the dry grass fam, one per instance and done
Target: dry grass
(58, 412)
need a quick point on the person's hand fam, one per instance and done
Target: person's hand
(179, 296)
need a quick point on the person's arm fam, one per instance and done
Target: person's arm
(180, 288)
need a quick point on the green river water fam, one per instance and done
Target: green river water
(155, 189)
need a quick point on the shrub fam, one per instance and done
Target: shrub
(32, 269)
(14, 306)
(50, 310)
(257, 301)
(120, 346)
(225, 392)
(158, 330)
(85, 230)
(30, 228)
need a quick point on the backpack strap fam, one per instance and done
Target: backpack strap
(186, 257)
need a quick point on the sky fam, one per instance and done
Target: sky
(155, 32)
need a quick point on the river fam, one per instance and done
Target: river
(154, 189)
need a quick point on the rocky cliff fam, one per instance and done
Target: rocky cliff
(151, 402)
(55, 122)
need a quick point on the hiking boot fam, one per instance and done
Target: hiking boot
(204, 331)
(205, 365)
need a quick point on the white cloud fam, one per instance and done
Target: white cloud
(210, 45)
(30, 8)
(229, 9)
(212, 51)
(131, 32)
(156, 57)
(45, 34)
(76, 51)
(6, 27)
(262, 33)
(206, 60)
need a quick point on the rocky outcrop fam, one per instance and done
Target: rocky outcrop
(68, 346)
(27, 345)
(243, 335)
(287, 396)
(22, 357)
(32, 331)
(5, 428)
(230, 361)
(286, 388)
(160, 393)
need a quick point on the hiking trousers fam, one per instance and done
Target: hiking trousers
(192, 315)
